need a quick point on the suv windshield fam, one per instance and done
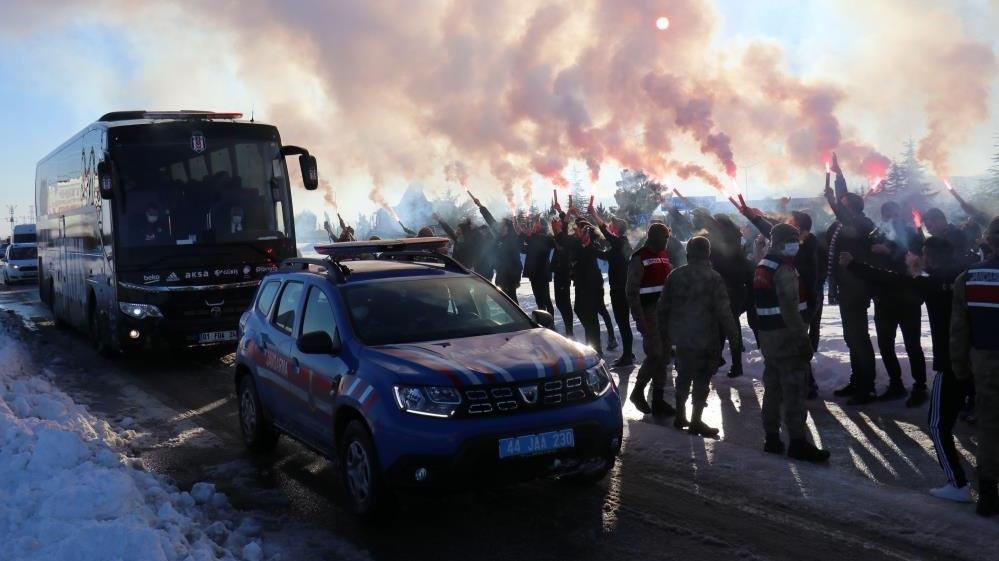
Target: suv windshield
(410, 311)
(184, 186)
(22, 253)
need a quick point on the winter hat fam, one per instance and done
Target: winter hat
(782, 234)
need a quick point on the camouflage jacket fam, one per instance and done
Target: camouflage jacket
(694, 310)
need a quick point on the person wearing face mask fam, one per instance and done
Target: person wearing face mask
(537, 245)
(617, 277)
(931, 272)
(693, 313)
(897, 307)
(974, 353)
(782, 309)
(153, 232)
(647, 272)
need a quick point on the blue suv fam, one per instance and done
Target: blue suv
(412, 372)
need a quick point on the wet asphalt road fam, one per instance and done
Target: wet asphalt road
(644, 510)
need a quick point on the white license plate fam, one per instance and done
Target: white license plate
(533, 444)
(217, 336)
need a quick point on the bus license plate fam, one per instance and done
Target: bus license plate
(216, 336)
(532, 444)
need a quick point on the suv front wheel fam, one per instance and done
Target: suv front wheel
(259, 434)
(362, 478)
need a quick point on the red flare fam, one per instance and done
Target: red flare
(917, 218)
(949, 187)
(731, 199)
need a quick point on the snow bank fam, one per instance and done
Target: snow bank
(68, 490)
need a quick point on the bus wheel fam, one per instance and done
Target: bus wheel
(98, 333)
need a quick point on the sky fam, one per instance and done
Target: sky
(512, 98)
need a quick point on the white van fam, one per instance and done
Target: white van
(20, 263)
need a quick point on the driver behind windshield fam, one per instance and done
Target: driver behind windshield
(153, 232)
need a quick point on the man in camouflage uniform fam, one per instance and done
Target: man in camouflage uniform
(647, 272)
(694, 314)
(974, 351)
(782, 313)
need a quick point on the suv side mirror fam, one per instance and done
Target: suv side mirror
(310, 172)
(316, 343)
(105, 179)
(543, 318)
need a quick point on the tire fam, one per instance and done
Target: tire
(360, 470)
(99, 338)
(258, 432)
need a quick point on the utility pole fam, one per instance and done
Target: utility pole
(10, 210)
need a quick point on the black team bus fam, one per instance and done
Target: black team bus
(155, 228)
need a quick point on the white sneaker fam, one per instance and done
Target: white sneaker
(951, 493)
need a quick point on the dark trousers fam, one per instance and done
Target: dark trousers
(602, 312)
(890, 314)
(563, 301)
(622, 315)
(815, 324)
(509, 288)
(857, 334)
(586, 310)
(736, 352)
(542, 294)
(946, 402)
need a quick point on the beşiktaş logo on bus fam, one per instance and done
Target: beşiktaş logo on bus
(198, 142)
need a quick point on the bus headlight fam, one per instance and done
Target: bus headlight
(598, 379)
(139, 311)
(431, 401)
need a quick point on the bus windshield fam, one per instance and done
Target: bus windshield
(192, 188)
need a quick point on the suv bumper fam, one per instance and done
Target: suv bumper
(468, 455)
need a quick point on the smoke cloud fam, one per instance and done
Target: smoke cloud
(491, 94)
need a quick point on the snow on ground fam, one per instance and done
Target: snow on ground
(69, 490)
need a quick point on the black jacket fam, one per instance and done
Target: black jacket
(617, 257)
(538, 250)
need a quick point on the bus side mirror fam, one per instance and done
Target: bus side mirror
(105, 179)
(310, 172)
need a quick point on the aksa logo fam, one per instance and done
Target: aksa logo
(196, 275)
(149, 279)
(172, 277)
(198, 142)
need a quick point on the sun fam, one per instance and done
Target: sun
(662, 23)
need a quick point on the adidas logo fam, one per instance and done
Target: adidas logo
(172, 277)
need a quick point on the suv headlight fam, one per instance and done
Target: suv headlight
(430, 401)
(139, 311)
(598, 379)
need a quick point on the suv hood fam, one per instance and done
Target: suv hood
(487, 359)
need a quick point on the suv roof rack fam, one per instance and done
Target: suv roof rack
(410, 249)
(328, 266)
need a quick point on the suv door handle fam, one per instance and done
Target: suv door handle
(335, 385)
(294, 365)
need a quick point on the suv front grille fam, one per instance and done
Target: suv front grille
(479, 401)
